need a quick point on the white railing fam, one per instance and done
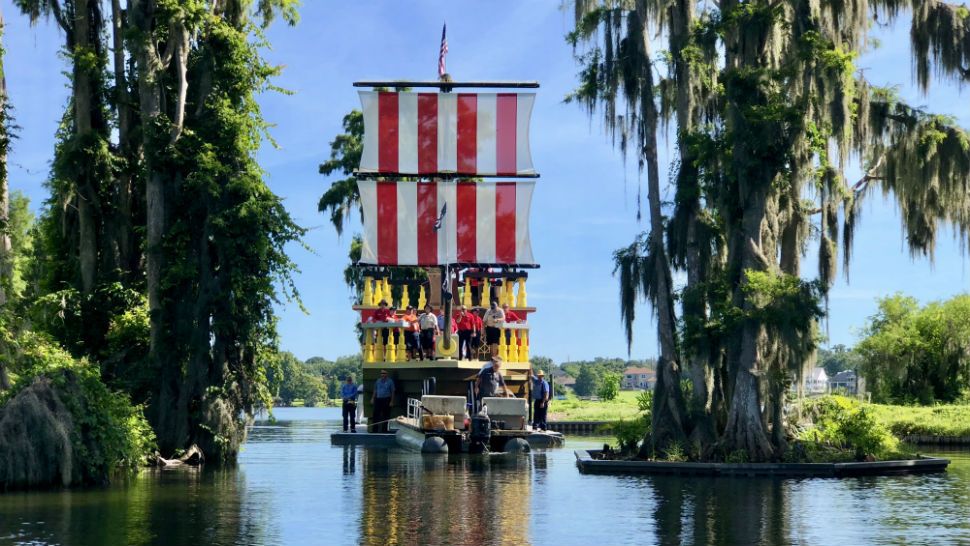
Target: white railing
(414, 411)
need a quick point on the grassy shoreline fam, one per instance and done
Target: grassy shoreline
(944, 420)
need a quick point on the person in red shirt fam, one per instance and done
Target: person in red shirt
(477, 335)
(383, 314)
(466, 328)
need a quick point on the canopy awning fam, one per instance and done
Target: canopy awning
(432, 133)
(483, 223)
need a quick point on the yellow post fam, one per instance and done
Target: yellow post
(405, 298)
(422, 300)
(391, 352)
(402, 353)
(513, 346)
(521, 300)
(486, 289)
(466, 294)
(368, 300)
(378, 348)
(503, 348)
(378, 292)
(388, 295)
(368, 347)
(509, 292)
(524, 350)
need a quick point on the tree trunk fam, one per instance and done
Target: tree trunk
(745, 429)
(6, 259)
(668, 426)
(124, 192)
(84, 103)
(164, 409)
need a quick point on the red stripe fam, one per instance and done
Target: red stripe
(505, 222)
(467, 133)
(387, 223)
(387, 137)
(465, 217)
(427, 132)
(427, 215)
(505, 133)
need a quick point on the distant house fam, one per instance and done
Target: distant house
(638, 379)
(817, 381)
(562, 378)
(847, 381)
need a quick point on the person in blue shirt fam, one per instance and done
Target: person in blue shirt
(382, 399)
(539, 398)
(348, 392)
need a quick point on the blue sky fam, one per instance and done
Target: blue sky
(584, 203)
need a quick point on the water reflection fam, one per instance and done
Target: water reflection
(293, 488)
(445, 499)
(151, 508)
(712, 511)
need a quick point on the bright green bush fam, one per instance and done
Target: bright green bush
(107, 431)
(845, 424)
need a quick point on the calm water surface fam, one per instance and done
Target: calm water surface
(292, 487)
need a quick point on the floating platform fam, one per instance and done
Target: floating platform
(589, 465)
(410, 436)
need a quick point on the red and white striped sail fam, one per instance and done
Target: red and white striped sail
(462, 133)
(485, 222)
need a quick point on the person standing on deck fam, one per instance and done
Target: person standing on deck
(539, 395)
(411, 333)
(466, 327)
(382, 399)
(493, 319)
(428, 324)
(348, 392)
(477, 334)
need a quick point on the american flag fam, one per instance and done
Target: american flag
(442, 52)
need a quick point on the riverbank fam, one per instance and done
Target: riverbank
(903, 421)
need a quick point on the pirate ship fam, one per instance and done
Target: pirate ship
(446, 181)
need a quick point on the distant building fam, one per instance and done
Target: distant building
(562, 378)
(638, 379)
(817, 381)
(847, 381)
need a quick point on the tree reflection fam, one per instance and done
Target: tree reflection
(444, 499)
(720, 510)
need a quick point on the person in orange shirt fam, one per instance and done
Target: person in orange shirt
(411, 332)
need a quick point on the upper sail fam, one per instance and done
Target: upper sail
(472, 134)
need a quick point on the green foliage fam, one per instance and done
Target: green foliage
(587, 382)
(838, 358)
(108, 431)
(342, 197)
(609, 386)
(846, 424)
(289, 380)
(630, 432)
(917, 354)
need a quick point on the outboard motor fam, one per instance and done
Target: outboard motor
(481, 434)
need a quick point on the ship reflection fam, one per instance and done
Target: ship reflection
(458, 499)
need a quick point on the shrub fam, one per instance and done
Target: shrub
(844, 423)
(609, 388)
(628, 432)
(105, 430)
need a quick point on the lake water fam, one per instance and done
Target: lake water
(293, 488)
